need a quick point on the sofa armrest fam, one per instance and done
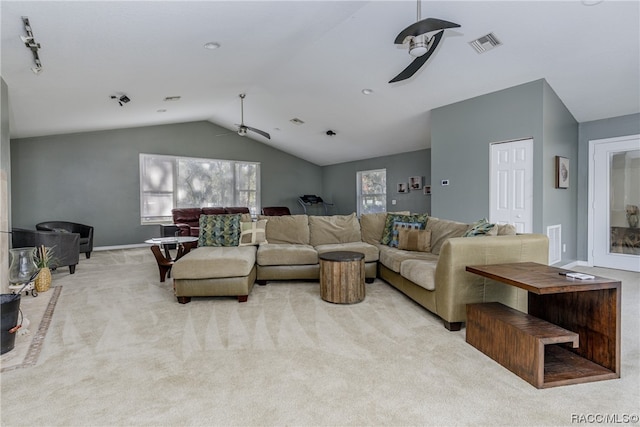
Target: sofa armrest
(455, 287)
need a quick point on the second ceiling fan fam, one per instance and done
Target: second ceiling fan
(242, 128)
(421, 46)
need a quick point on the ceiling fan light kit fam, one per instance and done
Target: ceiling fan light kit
(419, 45)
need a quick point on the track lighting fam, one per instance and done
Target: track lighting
(30, 42)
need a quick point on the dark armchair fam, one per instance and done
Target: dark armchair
(85, 232)
(65, 245)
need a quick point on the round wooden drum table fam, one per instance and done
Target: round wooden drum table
(342, 277)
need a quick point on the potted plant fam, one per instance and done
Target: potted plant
(44, 260)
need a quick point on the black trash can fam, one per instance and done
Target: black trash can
(9, 308)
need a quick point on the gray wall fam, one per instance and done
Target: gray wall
(588, 131)
(461, 134)
(339, 181)
(93, 177)
(560, 138)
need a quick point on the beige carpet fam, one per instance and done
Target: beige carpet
(121, 351)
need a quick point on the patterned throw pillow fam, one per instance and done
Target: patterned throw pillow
(387, 235)
(414, 240)
(397, 226)
(253, 233)
(481, 228)
(219, 230)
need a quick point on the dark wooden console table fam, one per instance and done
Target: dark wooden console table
(559, 309)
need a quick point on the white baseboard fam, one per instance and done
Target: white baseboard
(577, 264)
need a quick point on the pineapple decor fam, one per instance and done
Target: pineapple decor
(44, 259)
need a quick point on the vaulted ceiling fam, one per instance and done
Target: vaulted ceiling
(309, 60)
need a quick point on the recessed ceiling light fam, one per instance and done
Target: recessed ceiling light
(296, 121)
(212, 45)
(367, 91)
(171, 98)
(591, 2)
(162, 110)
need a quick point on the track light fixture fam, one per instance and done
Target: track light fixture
(30, 42)
(122, 99)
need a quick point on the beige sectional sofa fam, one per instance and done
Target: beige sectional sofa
(435, 278)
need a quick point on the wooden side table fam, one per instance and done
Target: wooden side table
(573, 325)
(342, 277)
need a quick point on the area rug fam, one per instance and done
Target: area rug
(28, 344)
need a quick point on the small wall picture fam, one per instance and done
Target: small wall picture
(415, 182)
(426, 190)
(562, 172)
(403, 188)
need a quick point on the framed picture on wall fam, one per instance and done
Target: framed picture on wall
(403, 188)
(426, 190)
(415, 182)
(562, 172)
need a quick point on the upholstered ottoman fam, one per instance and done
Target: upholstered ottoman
(215, 271)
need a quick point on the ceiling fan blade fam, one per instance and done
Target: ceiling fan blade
(425, 26)
(258, 131)
(419, 61)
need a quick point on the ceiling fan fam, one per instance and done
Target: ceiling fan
(242, 128)
(421, 46)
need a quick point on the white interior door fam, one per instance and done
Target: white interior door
(614, 190)
(511, 184)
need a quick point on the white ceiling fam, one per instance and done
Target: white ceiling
(310, 60)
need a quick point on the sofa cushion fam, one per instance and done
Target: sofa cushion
(209, 210)
(414, 240)
(287, 229)
(392, 258)
(398, 225)
(371, 252)
(481, 228)
(253, 233)
(324, 230)
(387, 234)
(188, 216)
(506, 230)
(219, 230)
(443, 229)
(210, 262)
(421, 272)
(372, 226)
(286, 254)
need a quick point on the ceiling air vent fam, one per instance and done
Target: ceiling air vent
(485, 43)
(296, 121)
(171, 98)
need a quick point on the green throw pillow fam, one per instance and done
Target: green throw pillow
(481, 228)
(387, 235)
(219, 230)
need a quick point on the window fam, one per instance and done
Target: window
(372, 191)
(167, 182)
